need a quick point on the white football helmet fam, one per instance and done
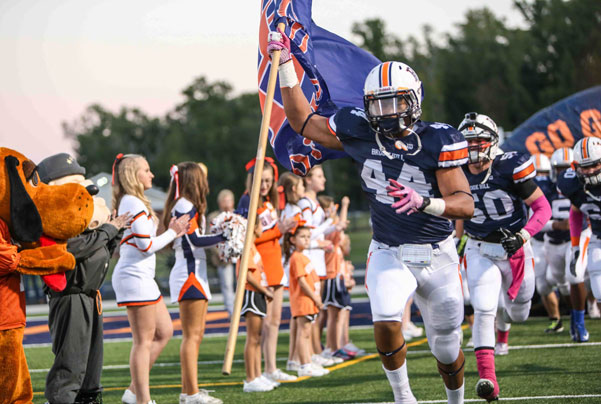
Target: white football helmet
(480, 128)
(561, 159)
(587, 154)
(542, 164)
(392, 96)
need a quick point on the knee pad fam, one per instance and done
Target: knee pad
(445, 345)
(518, 312)
(543, 287)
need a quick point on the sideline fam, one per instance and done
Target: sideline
(300, 379)
(479, 400)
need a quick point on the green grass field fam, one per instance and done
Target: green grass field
(543, 370)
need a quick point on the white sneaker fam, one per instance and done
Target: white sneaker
(328, 354)
(128, 397)
(256, 386)
(152, 402)
(279, 376)
(501, 348)
(202, 397)
(470, 343)
(320, 360)
(352, 348)
(593, 309)
(268, 381)
(412, 331)
(292, 366)
(312, 370)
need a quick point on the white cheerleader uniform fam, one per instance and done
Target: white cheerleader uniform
(315, 217)
(188, 279)
(290, 211)
(133, 277)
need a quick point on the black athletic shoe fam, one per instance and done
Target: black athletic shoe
(555, 327)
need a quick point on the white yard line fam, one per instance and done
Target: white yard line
(422, 351)
(479, 400)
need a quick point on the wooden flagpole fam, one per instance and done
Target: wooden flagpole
(252, 213)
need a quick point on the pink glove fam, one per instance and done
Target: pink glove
(279, 41)
(410, 200)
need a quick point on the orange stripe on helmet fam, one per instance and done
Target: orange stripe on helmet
(385, 76)
(585, 148)
(565, 154)
(538, 160)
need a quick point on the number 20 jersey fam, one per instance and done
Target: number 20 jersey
(570, 185)
(442, 146)
(497, 201)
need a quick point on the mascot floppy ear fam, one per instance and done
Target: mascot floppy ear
(25, 220)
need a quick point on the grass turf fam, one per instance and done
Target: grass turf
(523, 373)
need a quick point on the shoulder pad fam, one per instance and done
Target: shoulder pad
(350, 122)
(568, 183)
(519, 165)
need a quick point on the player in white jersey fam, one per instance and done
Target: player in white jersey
(133, 277)
(188, 281)
(412, 248)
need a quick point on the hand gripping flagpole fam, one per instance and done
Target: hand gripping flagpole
(252, 213)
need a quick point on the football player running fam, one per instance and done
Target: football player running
(498, 255)
(556, 241)
(582, 186)
(551, 244)
(400, 156)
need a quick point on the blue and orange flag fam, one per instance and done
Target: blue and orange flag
(331, 72)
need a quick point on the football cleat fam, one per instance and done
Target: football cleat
(555, 327)
(487, 389)
(501, 349)
(580, 333)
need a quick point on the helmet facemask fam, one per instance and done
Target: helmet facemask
(392, 112)
(591, 178)
(483, 141)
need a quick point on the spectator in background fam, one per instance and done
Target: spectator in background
(75, 317)
(225, 270)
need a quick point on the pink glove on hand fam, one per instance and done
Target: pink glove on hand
(279, 41)
(410, 200)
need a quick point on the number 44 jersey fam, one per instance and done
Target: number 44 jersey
(499, 197)
(413, 163)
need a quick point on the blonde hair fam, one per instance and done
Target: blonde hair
(288, 181)
(127, 182)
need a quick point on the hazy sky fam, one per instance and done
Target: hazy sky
(59, 56)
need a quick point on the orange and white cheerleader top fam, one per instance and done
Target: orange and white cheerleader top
(133, 277)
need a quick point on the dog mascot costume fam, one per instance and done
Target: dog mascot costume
(35, 222)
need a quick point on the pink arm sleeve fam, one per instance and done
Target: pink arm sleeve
(575, 226)
(541, 213)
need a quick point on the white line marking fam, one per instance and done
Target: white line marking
(479, 400)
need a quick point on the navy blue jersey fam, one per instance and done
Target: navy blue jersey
(498, 202)
(441, 146)
(588, 202)
(560, 209)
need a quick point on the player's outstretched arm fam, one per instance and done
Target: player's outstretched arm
(455, 191)
(296, 106)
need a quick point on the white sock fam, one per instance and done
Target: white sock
(305, 366)
(455, 396)
(399, 381)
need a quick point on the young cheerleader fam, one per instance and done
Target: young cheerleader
(315, 217)
(294, 189)
(305, 302)
(133, 277)
(254, 310)
(334, 294)
(188, 282)
(268, 246)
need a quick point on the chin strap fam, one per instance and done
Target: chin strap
(400, 144)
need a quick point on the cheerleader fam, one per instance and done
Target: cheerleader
(188, 282)
(133, 277)
(268, 245)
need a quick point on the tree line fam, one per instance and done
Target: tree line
(485, 65)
